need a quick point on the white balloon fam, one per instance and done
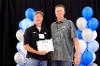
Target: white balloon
(19, 35)
(87, 35)
(93, 64)
(19, 58)
(94, 36)
(82, 45)
(93, 46)
(81, 23)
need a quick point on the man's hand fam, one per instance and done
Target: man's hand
(76, 59)
(32, 50)
(77, 52)
(41, 52)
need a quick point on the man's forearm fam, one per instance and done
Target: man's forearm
(76, 44)
(30, 49)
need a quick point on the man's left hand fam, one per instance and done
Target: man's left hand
(76, 59)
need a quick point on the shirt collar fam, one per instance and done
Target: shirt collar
(60, 21)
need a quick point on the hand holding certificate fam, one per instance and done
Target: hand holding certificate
(46, 45)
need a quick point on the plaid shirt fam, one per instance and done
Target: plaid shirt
(62, 35)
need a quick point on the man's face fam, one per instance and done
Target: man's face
(38, 18)
(59, 12)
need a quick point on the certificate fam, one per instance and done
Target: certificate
(46, 45)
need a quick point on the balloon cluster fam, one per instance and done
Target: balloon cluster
(87, 35)
(20, 56)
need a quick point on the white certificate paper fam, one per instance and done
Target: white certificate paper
(46, 45)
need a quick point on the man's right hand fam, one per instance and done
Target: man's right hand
(32, 50)
(41, 52)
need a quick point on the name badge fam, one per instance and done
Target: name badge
(41, 36)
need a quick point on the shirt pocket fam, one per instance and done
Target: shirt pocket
(35, 36)
(65, 31)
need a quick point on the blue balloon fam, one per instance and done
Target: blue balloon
(24, 64)
(86, 58)
(87, 12)
(79, 34)
(20, 25)
(81, 65)
(93, 24)
(18, 65)
(29, 13)
(18, 46)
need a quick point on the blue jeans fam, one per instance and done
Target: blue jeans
(35, 62)
(61, 63)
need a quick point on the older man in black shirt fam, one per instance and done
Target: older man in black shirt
(31, 36)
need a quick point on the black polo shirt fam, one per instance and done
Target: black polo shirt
(31, 35)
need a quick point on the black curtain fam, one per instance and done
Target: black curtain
(13, 11)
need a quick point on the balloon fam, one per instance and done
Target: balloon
(20, 47)
(87, 12)
(20, 25)
(26, 23)
(19, 35)
(21, 65)
(81, 65)
(93, 64)
(94, 58)
(87, 35)
(81, 23)
(18, 65)
(79, 34)
(19, 58)
(93, 46)
(94, 36)
(93, 24)
(29, 13)
(82, 45)
(86, 58)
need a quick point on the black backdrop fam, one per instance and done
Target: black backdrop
(12, 11)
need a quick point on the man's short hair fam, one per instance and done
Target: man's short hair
(59, 5)
(39, 12)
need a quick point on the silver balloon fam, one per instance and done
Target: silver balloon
(93, 46)
(19, 58)
(93, 64)
(94, 36)
(19, 35)
(87, 35)
(81, 23)
(82, 45)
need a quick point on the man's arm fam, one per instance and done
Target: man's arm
(30, 49)
(77, 52)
